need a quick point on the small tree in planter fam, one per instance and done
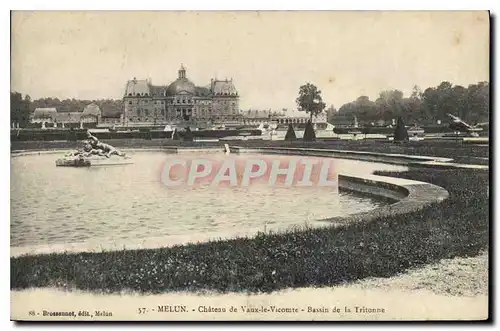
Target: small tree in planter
(309, 134)
(400, 133)
(290, 133)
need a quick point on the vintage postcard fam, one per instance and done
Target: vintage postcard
(250, 165)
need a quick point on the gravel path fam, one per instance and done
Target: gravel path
(453, 277)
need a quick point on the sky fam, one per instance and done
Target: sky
(269, 55)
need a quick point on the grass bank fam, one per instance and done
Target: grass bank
(310, 257)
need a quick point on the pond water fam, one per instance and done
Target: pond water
(52, 205)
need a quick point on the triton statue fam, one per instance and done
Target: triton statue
(93, 152)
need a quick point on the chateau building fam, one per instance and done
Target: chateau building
(146, 104)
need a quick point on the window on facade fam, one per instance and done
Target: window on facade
(130, 102)
(146, 112)
(130, 94)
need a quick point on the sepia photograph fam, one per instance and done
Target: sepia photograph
(250, 165)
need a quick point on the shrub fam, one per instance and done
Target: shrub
(400, 133)
(290, 134)
(309, 134)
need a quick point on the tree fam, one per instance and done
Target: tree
(478, 102)
(19, 109)
(290, 133)
(390, 104)
(330, 113)
(310, 101)
(309, 134)
(400, 133)
(416, 92)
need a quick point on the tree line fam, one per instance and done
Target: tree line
(22, 106)
(422, 107)
(20, 109)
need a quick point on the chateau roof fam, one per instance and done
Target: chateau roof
(224, 87)
(44, 112)
(92, 109)
(202, 91)
(137, 88)
(181, 85)
(70, 117)
(157, 90)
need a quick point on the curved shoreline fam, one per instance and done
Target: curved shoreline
(410, 195)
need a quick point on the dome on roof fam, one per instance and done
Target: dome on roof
(181, 84)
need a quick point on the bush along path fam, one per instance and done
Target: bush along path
(459, 226)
